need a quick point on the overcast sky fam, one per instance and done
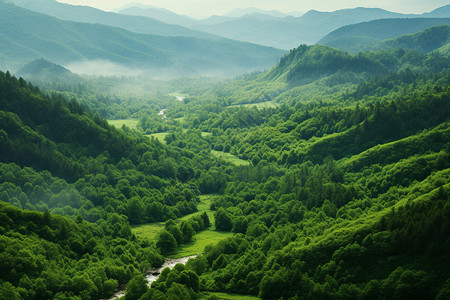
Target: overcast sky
(205, 8)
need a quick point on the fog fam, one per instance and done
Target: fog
(110, 69)
(103, 68)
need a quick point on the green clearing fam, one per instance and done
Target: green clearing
(228, 296)
(180, 119)
(261, 105)
(148, 231)
(203, 206)
(160, 136)
(230, 158)
(130, 123)
(201, 239)
(204, 133)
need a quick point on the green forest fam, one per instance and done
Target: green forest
(329, 174)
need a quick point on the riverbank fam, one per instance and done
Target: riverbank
(153, 274)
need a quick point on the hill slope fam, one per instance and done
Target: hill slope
(27, 35)
(347, 196)
(366, 36)
(424, 41)
(41, 69)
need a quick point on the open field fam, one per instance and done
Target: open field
(148, 231)
(261, 105)
(160, 136)
(203, 206)
(230, 158)
(130, 123)
(228, 296)
(201, 239)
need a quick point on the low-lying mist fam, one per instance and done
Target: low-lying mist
(103, 68)
(111, 69)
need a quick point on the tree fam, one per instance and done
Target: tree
(206, 221)
(166, 242)
(136, 287)
(223, 220)
(135, 210)
(188, 231)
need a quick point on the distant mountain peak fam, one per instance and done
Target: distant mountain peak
(240, 12)
(43, 69)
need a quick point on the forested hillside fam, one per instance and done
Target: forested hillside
(347, 195)
(385, 34)
(342, 190)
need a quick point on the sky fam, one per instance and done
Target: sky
(206, 8)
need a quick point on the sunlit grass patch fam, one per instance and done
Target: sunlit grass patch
(230, 158)
(160, 136)
(228, 296)
(148, 231)
(130, 123)
(261, 105)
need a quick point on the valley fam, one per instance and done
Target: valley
(322, 172)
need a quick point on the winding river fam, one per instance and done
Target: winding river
(152, 275)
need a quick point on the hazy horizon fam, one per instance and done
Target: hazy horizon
(221, 7)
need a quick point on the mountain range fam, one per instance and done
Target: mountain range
(270, 28)
(280, 30)
(26, 35)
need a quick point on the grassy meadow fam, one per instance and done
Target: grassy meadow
(230, 158)
(201, 239)
(130, 123)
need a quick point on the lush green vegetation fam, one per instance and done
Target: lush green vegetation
(345, 193)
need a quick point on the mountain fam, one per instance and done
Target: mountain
(425, 41)
(367, 35)
(41, 69)
(289, 32)
(257, 28)
(280, 31)
(240, 12)
(441, 12)
(26, 35)
(159, 14)
(86, 14)
(307, 64)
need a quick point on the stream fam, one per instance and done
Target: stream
(152, 275)
(162, 113)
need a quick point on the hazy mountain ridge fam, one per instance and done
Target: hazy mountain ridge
(27, 35)
(289, 32)
(87, 14)
(162, 15)
(42, 69)
(368, 35)
(271, 28)
(425, 41)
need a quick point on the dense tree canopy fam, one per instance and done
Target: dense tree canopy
(341, 191)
